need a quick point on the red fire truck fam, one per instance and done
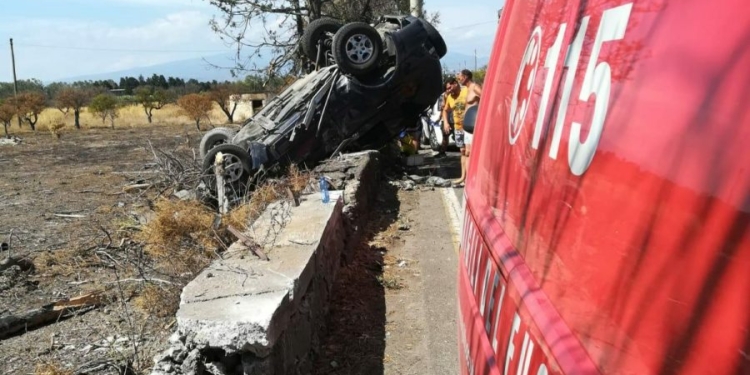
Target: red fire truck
(607, 228)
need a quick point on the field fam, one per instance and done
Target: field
(75, 208)
(132, 116)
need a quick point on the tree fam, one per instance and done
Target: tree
(196, 106)
(104, 106)
(73, 98)
(152, 99)
(28, 106)
(7, 91)
(7, 111)
(227, 96)
(283, 22)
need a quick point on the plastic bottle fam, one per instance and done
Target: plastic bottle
(324, 190)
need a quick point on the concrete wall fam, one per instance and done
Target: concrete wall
(248, 105)
(246, 316)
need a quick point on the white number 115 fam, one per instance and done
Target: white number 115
(596, 81)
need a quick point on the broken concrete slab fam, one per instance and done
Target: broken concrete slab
(242, 307)
(243, 315)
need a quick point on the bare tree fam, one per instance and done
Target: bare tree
(282, 23)
(227, 96)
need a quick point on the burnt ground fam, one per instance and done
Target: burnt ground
(63, 207)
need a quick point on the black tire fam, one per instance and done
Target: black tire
(357, 48)
(215, 137)
(435, 39)
(322, 28)
(236, 164)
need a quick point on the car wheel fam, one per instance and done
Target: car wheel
(357, 48)
(236, 168)
(323, 30)
(215, 137)
(435, 39)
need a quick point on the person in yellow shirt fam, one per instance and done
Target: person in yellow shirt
(455, 102)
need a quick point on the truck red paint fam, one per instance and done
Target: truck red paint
(607, 222)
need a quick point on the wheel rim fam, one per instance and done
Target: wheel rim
(232, 167)
(359, 48)
(217, 143)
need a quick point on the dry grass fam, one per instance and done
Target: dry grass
(51, 369)
(181, 235)
(131, 116)
(298, 179)
(159, 301)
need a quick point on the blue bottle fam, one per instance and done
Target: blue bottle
(324, 190)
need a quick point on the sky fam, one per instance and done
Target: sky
(57, 39)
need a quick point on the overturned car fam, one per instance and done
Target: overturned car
(369, 83)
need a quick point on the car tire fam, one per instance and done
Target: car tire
(435, 39)
(236, 165)
(357, 48)
(215, 137)
(315, 31)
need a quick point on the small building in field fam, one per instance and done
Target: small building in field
(248, 105)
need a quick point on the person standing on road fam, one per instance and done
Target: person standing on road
(474, 93)
(447, 129)
(455, 101)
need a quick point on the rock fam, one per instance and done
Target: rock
(12, 141)
(185, 195)
(418, 179)
(190, 364)
(22, 263)
(408, 185)
(334, 364)
(438, 182)
(404, 226)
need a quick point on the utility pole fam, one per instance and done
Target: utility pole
(416, 8)
(15, 81)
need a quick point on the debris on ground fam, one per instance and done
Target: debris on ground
(10, 141)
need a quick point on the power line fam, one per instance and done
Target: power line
(119, 49)
(470, 25)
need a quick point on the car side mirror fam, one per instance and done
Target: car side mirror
(470, 118)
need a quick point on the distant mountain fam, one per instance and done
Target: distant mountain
(202, 70)
(198, 68)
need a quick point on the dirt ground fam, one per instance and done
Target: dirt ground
(394, 307)
(63, 206)
(67, 206)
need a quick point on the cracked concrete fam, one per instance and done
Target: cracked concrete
(242, 315)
